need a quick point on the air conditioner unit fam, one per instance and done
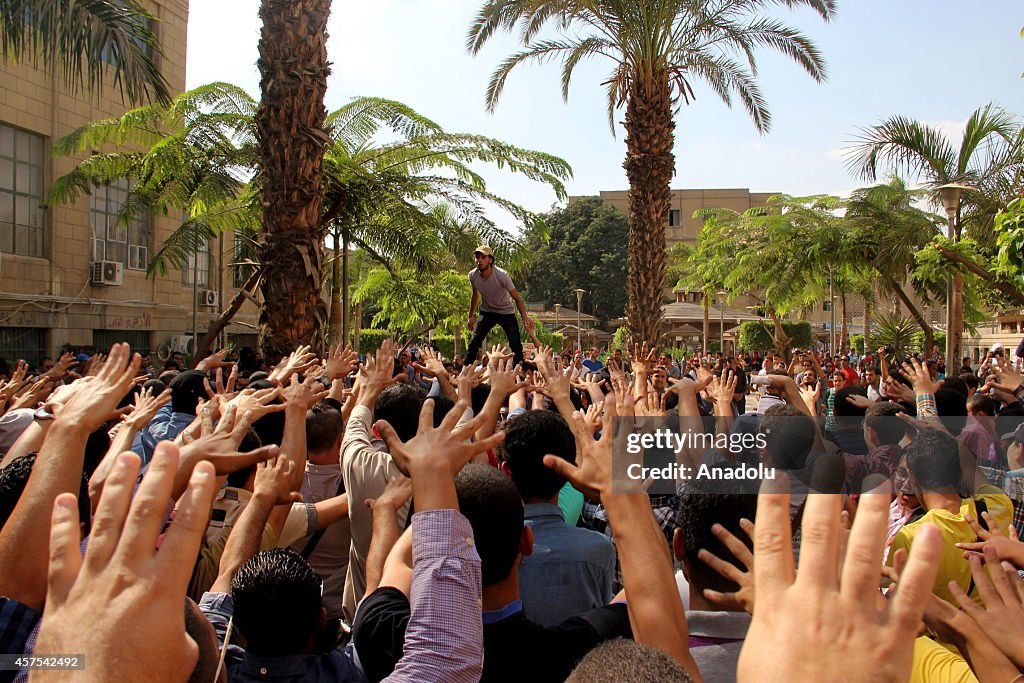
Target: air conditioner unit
(107, 273)
(208, 297)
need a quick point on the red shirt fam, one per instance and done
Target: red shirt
(851, 375)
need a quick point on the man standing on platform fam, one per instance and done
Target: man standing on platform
(494, 291)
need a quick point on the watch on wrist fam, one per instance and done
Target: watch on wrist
(1019, 390)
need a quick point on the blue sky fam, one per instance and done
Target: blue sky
(933, 60)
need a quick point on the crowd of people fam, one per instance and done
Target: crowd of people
(405, 517)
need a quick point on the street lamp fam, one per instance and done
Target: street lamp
(579, 306)
(721, 321)
(950, 194)
(558, 308)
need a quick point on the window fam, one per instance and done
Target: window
(25, 343)
(202, 272)
(21, 192)
(675, 218)
(110, 51)
(826, 306)
(102, 340)
(112, 240)
(242, 252)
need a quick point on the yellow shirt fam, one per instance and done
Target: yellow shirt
(952, 565)
(935, 664)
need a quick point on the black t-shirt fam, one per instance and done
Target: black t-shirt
(515, 648)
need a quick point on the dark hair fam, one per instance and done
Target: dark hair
(788, 435)
(323, 427)
(478, 396)
(528, 438)
(971, 380)
(186, 390)
(844, 408)
(491, 503)
(704, 503)
(277, 602)
(442, 404)
(881, 417)
(201, 631)
(627, 660)
(957, 385)
(399, 405)
(155, 386)
(247, 360)
(933, 459)
(13, 479)
(951, 406)
(979, 403)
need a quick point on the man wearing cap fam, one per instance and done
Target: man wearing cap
(494, 291)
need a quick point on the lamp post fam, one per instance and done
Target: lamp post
(721, 322)
(950, 194)
(579, 306)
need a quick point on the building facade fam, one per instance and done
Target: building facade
(71, 277)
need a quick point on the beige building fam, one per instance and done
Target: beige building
(70, 276)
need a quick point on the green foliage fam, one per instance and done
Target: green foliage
(938, 339)
(445, 344)
(620, 340)
(196, 159)
(681, 41)
(370, 340)
(757, 336)
(84, 40)
(409, 302)
(857, 342)
(895, 332)
(407, 192)
(1010, 240)
(585, 246)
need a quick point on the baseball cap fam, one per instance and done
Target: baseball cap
(483, 249)
(82, 357)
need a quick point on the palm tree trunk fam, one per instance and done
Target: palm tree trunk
(707, 321)
(292, 141)
(222, 320)
(955, 333)
(843, 329)
(915, 313)
(649, 167)
(867, 324)
(345, 318)
(1014, 293)
(357, 315)
(335, 324)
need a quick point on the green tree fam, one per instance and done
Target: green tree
(888, 230)
(191, 157)
(81, 39)
(782, 255)
(410, 194)
(584, 246)
(291, 140)
(658, 49)
(987, 160)
(404, 310)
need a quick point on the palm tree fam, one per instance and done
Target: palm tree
(889, 230)
(80, 38)
(988, 159)
(292, 140)
(415, 200)
(192, 158)
(658, 49)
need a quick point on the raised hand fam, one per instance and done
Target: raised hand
(274, 480)
(802, 615)
(432, 364)
(443, 446)
(306, 393)
(744, 597)
(340, 361)
(643, 358)
(125, 595)
(920, 378)
(257, 402)
(89, 407)
(146, 407)
(214, 360)
(1006, 545)
(299, 360)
